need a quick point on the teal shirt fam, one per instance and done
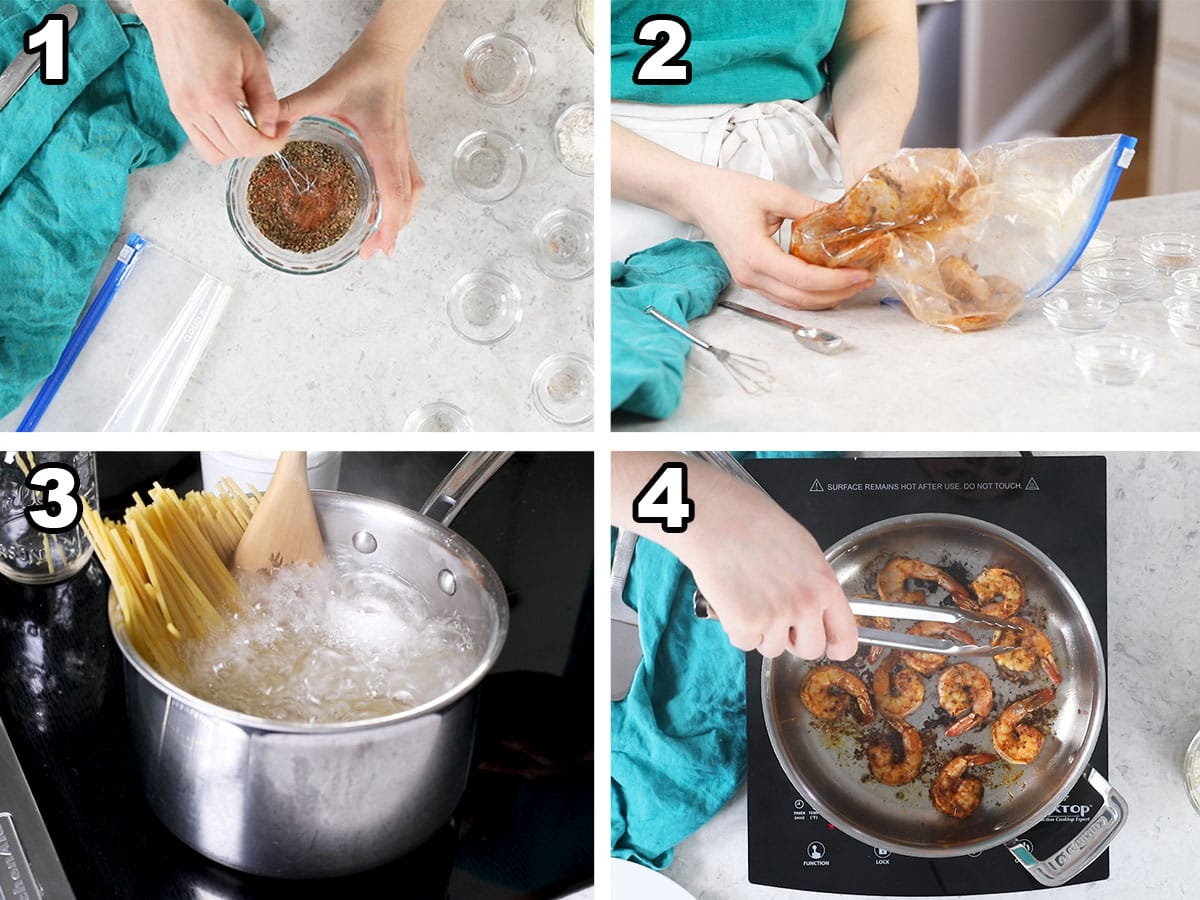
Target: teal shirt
(742, 51)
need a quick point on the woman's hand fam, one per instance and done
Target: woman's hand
(740, 214)
(209, 60)
(366, 90)
(760, 570)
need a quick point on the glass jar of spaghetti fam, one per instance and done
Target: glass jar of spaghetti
(41, 496)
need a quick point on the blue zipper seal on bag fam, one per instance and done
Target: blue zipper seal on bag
(1120, 162)
(87, 325)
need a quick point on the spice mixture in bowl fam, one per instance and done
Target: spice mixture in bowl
(319, 227)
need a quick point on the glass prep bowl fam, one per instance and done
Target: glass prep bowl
(1187, 282)
(1169, 251)
(1109, 358)
(1080, 310)
(583, 116)
(1183, 318)
(488, 166)
(562, 389)
(438, 416)
(484, 307)
(366, 217)
(562, 244)
(497, 68)
(1124, 276)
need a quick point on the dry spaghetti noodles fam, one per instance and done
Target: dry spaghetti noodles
(169, 564)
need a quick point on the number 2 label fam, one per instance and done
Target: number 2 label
(664, 500)
(60, 509)
(50, 40)
(670, 37)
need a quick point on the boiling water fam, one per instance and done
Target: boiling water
(335, 643)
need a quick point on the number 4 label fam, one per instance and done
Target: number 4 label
(50, 40)
(665, 64)
(664, 500)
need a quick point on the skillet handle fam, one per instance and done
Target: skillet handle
(1083, 849)
(460, 484)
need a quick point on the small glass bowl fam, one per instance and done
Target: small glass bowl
(1102, 244)
(1109, 358)
(1187, 282)
(484, 307)
(437, 416)
(488, 166)
(1170, 251)
(575, 150)
(1191, 771)
(1183, 318)
(562, 389)
(1081, 310)
(562, 244)
(366, 218)
(585, 21)
(497, 68)
(1120, 275)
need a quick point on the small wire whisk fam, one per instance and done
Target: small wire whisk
(300, 181)
(752, 375)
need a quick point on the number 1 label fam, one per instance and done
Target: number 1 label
(664, 500)
(50, 40)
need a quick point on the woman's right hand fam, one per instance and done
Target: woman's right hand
(209, 60)
(740, 214)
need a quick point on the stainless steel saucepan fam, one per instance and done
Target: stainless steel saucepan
(306, 801)
(824, 769)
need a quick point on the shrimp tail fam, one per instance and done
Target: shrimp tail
(1050, 667)
(963, 725)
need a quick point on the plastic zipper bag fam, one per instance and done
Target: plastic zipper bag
(962, 241)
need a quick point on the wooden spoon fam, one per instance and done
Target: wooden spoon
(283, 530)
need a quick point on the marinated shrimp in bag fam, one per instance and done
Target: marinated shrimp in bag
(962, 241)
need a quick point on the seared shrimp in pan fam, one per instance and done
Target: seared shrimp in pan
(1015, 741)
(828, 692)
(898, 689)
(926, 662)
(965, 690)
(896, 769)
(893, 579)
(1030, 646)
(1000, 593)
(954, 792)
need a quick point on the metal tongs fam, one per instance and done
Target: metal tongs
(899, 640)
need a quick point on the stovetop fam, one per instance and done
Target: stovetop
(524, 827)
(1056, 503)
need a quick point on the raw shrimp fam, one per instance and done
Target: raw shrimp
(1030, 645)
(962, 282)
(965, 690)
(828, 691)
(954, 792)
(898, 689)
(882, 761)
(1014, 740)
(927, 663)
(893, 578)
(1000, 593)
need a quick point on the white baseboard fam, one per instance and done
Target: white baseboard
(1050, 103)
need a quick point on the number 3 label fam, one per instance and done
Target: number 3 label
(664, 500)
(670, 38)
(60, 509)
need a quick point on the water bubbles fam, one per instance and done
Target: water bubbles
(336, 643)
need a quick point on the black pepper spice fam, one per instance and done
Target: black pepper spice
(310, 221)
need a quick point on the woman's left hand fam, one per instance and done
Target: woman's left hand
(366, 90)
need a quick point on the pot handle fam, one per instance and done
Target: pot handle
(460, 484)
(1083, 849)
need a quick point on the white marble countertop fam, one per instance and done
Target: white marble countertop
(360, 348)
(1153, 711)
(1017, 377)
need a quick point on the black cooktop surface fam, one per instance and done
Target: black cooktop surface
(524, 827)
(1057, 504)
